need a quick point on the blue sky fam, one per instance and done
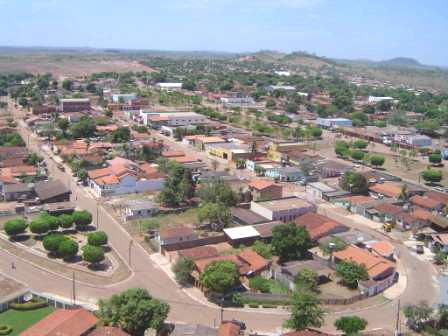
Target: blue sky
(374, 29)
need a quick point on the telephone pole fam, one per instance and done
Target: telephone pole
(129, 252)
(397, 326)
(73, 289)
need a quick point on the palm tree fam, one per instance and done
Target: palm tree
(404, 195)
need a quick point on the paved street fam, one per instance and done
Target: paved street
(147, 275)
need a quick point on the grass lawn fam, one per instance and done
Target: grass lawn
(21, 320)
(277, 287)
(186, 218)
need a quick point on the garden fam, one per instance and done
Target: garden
(69, 238)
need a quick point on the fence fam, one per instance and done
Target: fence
(193, 243)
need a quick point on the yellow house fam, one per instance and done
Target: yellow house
(229, 151)
(277, 150)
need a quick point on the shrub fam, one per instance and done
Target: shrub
(82, 218)
(39, 226)
(92, 254)
(357, 155)
(435, 158)
(66, 221)
(260, 284)
(14, 227)
(97, 238)
(253, 305)
(68, 249)
(5, 329)
(377, 160)
(53, 241)
(269, 306)
(52, 221)
(360, 144)
(30, 305)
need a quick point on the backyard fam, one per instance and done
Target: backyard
(21, 320)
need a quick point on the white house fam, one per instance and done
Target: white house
(283, 73)
(317, 189)
(125, 97)
(333, 122)
(374, 100)
(169, 86)
(285, 209)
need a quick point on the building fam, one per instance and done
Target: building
(75, 105)
(169, 86)
(174, 119)
(203, 142)
(124, 98)
(244, 216)
(319, 226)
(76, 322)
(333, 122)
(237, 101)
(374, 100)
(139, 209)
(279, 151)
(288, 88)
(283, 73)
(318, 189)
(382, 249)
(192, 330)
(241, 235)
(285, 174)
(52, 191)
(419, 140)
(426, 203)
(229, 151)
(11, 291)
(17, 191)
(265, 190)
(284, 209)
(330, 168)
(176, 235)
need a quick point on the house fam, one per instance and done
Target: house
(237, 101)
(265, 190)
(108, 331)
(139, 209)
(176, 235)
(287, 272)
(265, 229)
(200, 252)
(244, 216)
(63, 322)
(52, 191)
(229, 151)
(357, 204)
(333, 122)
(285, 174)
(437, 196)
(12, 152)
(426, 203)
(124, 98)
(19, 171)
(382, 249)
(284, 209)
(318, 189)
(378, 268)
(288, 88)
(407, 220)
(384, 212)
(5, 180)
(241, 235)
(202, 142)
(75, 105)
(17, 191)
(174, 119)
(374, 100)
(331, 168)
(169, 86)
(319, 226)
(192, 330)
(229, 328)
(278, 151)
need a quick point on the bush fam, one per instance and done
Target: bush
(82, 218)
(357, 155)
(253, 305)
(360, 144)
(260, 284)
(14, 227)
(30, 305)
(53, 241)
(269, 306)
(97, 238)
(39, 226)
(66, 221)
(435, 158)
(92, 254)
(68, 249)
(377, 160)
(52, 221)
(5, 329)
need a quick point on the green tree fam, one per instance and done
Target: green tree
(182, 270)
(67, 84)
(435, 158)
(134, 311)
(217, 191)
(121, 134)
(263, 249)
(52, 242)
(357, 155)
(305, 311)
(97, 238)
(84, 128)
(63, 125)
(440, 258)
(350, 325)
(92, 254)
(68, 249)
(14, 227)
(66, 221)
(306, 279)
(290, 241)
(377, 160)
(220, 276)
(432, 176)
(260, 284)
(360, 144)
(53, 221)
(368, 109)
(351, 272)
(216, 214)
(354, 182)
(417, 315)
(82, 218)
(39, 226)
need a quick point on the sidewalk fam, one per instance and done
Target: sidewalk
(399, 287)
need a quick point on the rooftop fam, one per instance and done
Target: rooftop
(261, 184)
(241, 232)
(246, 216)
(200, 252)
(176, 232)
(321, 186)
(425, 202)
(285, 204)
(10, 289)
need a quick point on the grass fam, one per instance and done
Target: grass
(22, 320)
(185, 218)
(276, 287)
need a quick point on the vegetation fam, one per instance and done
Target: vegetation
(68, 249)
(220, 276)
(82, 218)
(306, 279)
(92, 254)
(377, 160)
(260, 284)
(52, 242)
(20, 320)
(351, 272)
(263, 249)
(217, 215)
(290, 241)
(182, 270)
(417, 315)
(14, 227)
(97, 238)
(350, 325)
(354, 182)
(432, 176)
(305, 311)
(179, 185)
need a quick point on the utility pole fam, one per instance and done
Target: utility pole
(397, 326)
(97, 215)
(73, 289)
(131, 242)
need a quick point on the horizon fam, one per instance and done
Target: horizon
(352, 30)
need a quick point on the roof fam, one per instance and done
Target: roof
(317, 225)
(50, 189)
(285, 204)
(17, 187)
(63, 322)
(438, 196)
(375, 265)
(151, 171)
(241, 232)
(383, 248)
(388, 208)
(321, 186)
(229, 329)
(107, 180)
(262, 184)
(176, 232)
(255, 261)
(19, 171)
(108, 331)
(390, 189)
(94, 174)
(200, 252)
(193, 330)
(10, 289)
(203, 263)
(421, 214)
(306, 332)
(295, 267)
(265, 229)
(246, 216)
(441, 238)
(173, 153)
(359, 199)
(425, 202)
(210, 139)
(75, 100)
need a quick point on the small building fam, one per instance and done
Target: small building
(384, 212)
(285, 174)
(318, 189)
(75, 322)
(169, 86)
(75, 105)
(17, 191)
(419, 140)
(284, 209)
(139, 209)
(333, 122)
(52, 191)
(331, 168)
(242, 216)
(426, 203)
(319, 226)
(265, 229)
(229, 151)
(265, 190)
(176, 235)
(241, 235)
(382, 249)
(287, 88)
(124, 98)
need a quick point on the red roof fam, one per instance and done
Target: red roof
(438, 196)
(261, 184)
(317, 225)
(256, 262)
(108, 331)
(229, 329)
(425, 202)
(388, 208)
(63, 322)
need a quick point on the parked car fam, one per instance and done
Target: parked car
(419, 249)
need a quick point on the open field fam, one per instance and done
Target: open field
(22, 320)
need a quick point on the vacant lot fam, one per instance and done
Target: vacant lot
(22, 320)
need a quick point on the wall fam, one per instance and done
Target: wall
(194, 243)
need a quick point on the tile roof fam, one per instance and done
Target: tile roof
(170, 154)
(49, 189)
(200, 252)
(261, 184)
(388, 208)
(359, 199)
(255, 261)
(63, 322)
(383, 248)
(388, 189)
(107, 180)
(185, 159)
(441, 238)
(150, 171)
(421, 214)
(375, 265)
(108, 331)
(175, 232)
(19, 171)
(438, 196)
(317, 225)
(229, 329)
(425, 202)
(96, 173)
(306, 332)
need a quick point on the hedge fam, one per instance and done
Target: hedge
(269, 306)
(30, 305)
(253, 305)
(5, 329)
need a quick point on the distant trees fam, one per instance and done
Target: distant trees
(217, 191)
(84, 128)
(63, 125)
(290, 241)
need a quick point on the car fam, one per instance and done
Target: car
(419, 249)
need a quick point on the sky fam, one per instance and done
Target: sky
(350, 29)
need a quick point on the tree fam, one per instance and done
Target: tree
(306, 279)
(97, 238)
(354, 182)
(290, 241)
(68, 249)
(263, 249)
(220, 276)
(305, 311)
(66, 221)
(435, 158)
(377, 160)
(53, 221)
(368, 109)
(360, 144)
(404, 194)
(92, 254)
(357, 155)
(417, 315)
(179, 185)
(259, 284)
(432, 176)
(350, 325)
(216, 214)
(351, 273)
(315, 132)
(440, 258)
(67, 84)
(182, 270)
(84, 128)
(134, 311)
(217, 191)
(121, 134)
(63, 125)
(82, 218)
(14, 227)
(23, 102)
(52, 242)
(39, 226)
